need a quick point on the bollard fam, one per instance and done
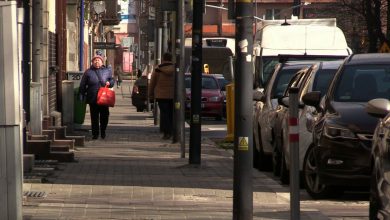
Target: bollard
(293, 133)
(68, 105)
(230, 112)
(35, 108)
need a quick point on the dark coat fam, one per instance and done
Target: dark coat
(89, 84)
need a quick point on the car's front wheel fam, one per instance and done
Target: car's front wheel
(313, 185)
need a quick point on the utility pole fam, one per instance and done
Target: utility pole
(196, 83)
(243, 136)
(179, 79)
(296, 8)
(11, 179)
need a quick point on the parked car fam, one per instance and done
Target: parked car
(380, 177)
(340, 154)
(212, 97)
(315, 78)
(139, 93)
(265, 110)
(222, 81)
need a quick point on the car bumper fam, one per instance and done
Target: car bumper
(208, 108)
(344, 162)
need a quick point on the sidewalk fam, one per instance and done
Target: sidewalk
(134, 174)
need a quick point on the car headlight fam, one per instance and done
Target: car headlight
(215, 99)
(338, 132)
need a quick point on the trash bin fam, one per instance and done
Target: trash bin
(79, 108)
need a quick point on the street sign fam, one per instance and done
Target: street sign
(127, 41)
(105, 45)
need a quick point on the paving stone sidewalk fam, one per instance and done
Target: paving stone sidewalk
(134, 174)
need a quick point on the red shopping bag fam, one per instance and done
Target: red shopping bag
(106, 97)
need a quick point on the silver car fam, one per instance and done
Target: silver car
(316, 78)
(266, 108)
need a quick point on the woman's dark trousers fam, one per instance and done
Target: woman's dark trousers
(102, 113)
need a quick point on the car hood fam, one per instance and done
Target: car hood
(353, 116)
(206, 92)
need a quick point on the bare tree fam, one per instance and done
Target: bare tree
(375, 13)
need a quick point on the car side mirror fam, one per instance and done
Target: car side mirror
(312, 99)
(284, 101)
(378, 108)
(258, 96)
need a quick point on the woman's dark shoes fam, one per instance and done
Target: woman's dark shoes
(103, 135)
(94, 137)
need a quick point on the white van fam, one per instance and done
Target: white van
(303, 38)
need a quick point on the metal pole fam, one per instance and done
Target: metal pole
(180, 89)
(243, 151)
(294, 154)
(81, 43)
(296, 9)
(165, 32)
(11, 179)
(196, 83)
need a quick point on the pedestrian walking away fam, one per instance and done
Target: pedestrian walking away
(161, 88)
(93, 78)
(118, 75)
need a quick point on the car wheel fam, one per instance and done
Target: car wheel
(284, 172)
(374, 200)
(314, 187)
(262, 162)
(276, 160)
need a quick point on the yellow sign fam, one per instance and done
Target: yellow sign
(384, 48)
(243, 143)
(206, 69)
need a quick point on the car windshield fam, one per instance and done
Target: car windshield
(222, 82)
(362, 83)
(282, 81)
(207, 83)
(322, 80)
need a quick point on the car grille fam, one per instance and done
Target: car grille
(203, 99)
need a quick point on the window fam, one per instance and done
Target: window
(272, 14)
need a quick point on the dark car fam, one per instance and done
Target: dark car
(340, 154)
(380, 177)
(139, 93)
(212, 97)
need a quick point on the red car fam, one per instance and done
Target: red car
(212, 97)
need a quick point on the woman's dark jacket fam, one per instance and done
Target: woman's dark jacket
(89, 84)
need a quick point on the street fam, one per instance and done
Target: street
(352, 205)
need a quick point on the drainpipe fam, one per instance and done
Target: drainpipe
(26, 68)
(81, 46)
(36, 43)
